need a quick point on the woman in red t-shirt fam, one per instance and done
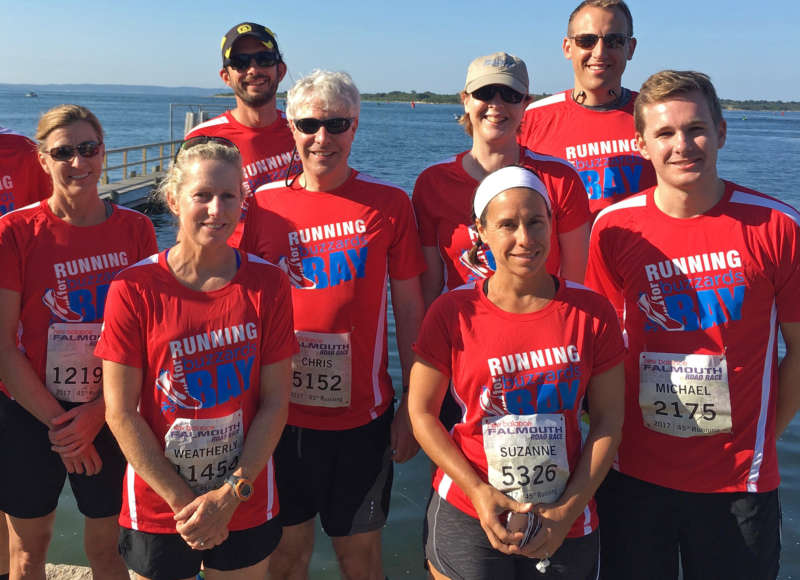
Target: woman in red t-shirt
(523, 349)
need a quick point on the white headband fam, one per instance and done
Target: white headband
(503, 179)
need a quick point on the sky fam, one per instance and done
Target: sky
(392, 45)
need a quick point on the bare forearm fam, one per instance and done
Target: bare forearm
(788, 401)
(143, 452)
(25, 386)
(262, 438)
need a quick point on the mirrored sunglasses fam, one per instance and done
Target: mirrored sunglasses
(310, 126)
(242, 61)
(611, 40)
(68, 152)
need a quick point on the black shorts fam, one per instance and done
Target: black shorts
(167, 556)
(458, 548)
(39, 474)
(645, 529)
(345, 476)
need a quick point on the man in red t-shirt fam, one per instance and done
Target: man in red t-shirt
(703, 273)
(343, 238)
(252, 65)
(591, 125)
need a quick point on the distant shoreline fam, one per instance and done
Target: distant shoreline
(428, 98)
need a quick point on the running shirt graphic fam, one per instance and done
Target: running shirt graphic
(266, 153)
(600, 144)
(337, 248)
(442, 202)
(521, 392)
(22, 179)
(700, 300)
(201, 354)
(63, 274)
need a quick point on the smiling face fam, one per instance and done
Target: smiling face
(254, 86)
(79, 175)
(517, 230)
(681, 139)
(324, 154)
(494, 121)
(599, 69)
(208, 202)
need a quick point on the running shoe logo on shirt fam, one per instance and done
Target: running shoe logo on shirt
(294, 270)
(176, 391)
(656, 311)
(58, 303)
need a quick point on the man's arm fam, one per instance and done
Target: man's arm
(432, 279)
(408, 309)
(788, 401)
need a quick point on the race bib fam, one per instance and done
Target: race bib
(527, 456)
(74, 374)
(205, 451)
(321, 371)
(684, 395)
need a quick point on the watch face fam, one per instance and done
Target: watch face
(245, 490)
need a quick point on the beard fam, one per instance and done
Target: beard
(257, 100)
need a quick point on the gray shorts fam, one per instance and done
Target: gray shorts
(458, 548)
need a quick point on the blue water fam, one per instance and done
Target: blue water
(394, 143)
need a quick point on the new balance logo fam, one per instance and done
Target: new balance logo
(656, 311)
(59, 307)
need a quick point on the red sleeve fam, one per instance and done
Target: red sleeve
(405, 253)
(11, 257)
(277, 323)
(599, 276)
(609, 349)
(787, 275)
(41, 184)
(423, 190)
(121, 339)
(434, 342)
(571, 203)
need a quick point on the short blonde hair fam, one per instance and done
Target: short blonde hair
(668, 84)
(169, 188)
(62, 116)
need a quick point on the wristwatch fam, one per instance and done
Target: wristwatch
(242, 487)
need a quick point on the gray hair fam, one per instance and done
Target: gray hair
(328, 89)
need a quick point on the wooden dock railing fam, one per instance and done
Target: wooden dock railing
(137, 160)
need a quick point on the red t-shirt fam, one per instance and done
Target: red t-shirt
(600, 144)
(63, 273)
(442, 201)
(715, 286)
(266, 153)
(201, 355)
(22, 179)
(543, 367)
(338, 247)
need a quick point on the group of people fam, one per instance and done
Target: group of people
(208, 401)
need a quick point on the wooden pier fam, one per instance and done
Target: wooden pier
(130, 174)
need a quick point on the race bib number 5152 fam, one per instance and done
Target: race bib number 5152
(321, 371)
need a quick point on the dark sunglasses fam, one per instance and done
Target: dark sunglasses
(612, 40)
(488, 92)
(202, 139)
(334, 126)
(68, 152)
(242, 61)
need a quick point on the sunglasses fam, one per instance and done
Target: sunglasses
(242, 61)
(202, 139)
(334, 126)
(68, 152)
(612, 40)
(488, 92)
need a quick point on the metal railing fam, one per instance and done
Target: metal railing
(138, 160)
